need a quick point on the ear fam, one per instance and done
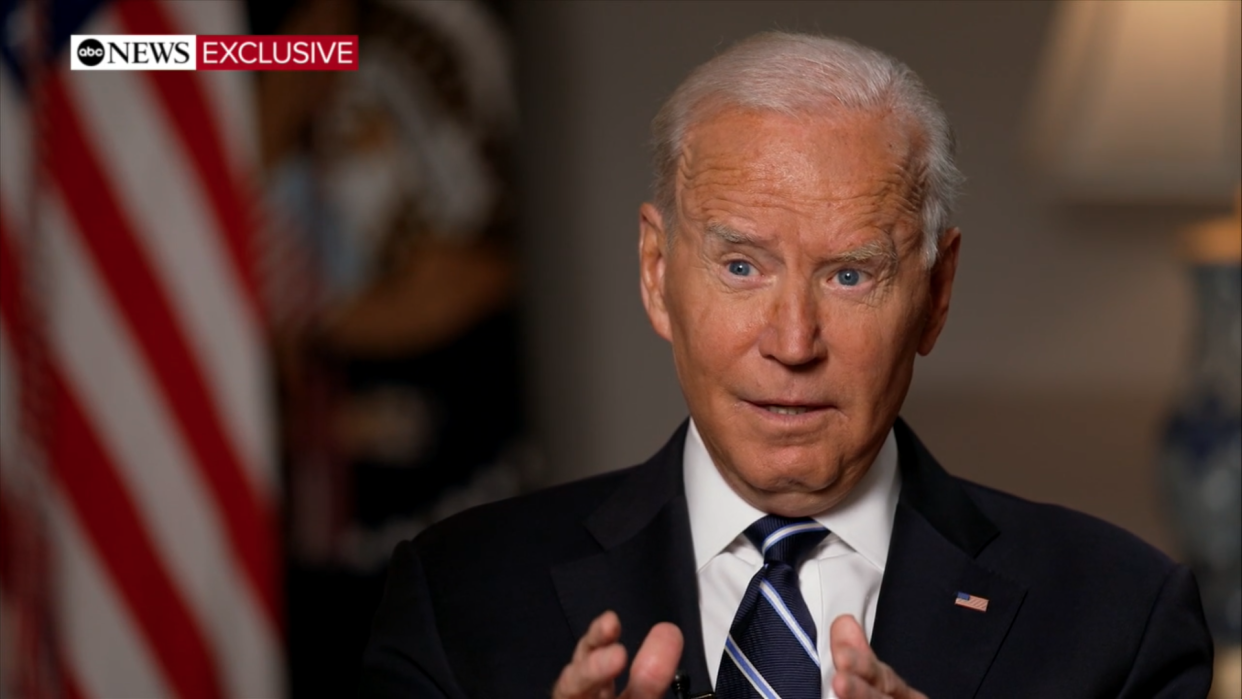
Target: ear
(652, 260)
(941, 283)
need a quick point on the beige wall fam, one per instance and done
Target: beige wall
(1068, 324)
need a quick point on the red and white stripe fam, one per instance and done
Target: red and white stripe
(978, 604)
(156, 435)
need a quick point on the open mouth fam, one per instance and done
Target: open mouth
(790, 408)
(785, 409)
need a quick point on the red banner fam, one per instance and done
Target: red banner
(224, 52)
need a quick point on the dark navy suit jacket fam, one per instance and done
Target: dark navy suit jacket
(490, 603)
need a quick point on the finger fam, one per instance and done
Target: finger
(860, 674)
(605, 629)
(888, 684)
(598, 660)
(849, 686)
(851, 654)
(655, 663)
(592, 676)
(891, 684)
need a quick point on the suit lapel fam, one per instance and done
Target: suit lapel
(645, 570)
(939, 647)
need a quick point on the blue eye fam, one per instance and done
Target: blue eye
(849, 277)
(739, 268)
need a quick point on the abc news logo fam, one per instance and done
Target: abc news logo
(213, 52)
(133, 52)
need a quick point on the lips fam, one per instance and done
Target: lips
(788, 407)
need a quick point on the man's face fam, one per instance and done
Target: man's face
(795, 296)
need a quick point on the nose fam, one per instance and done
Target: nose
(792, 335)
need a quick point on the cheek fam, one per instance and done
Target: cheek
(711, 333)
(868, 346)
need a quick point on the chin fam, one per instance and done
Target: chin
(798, 504)
(806, 486)
(798, 470)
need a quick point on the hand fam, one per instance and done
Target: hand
(861, 675)
(599, 659)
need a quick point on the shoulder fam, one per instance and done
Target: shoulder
(1041, 534)
(555, 524)
(1127, 619)
(1085, 578)
(545, 524)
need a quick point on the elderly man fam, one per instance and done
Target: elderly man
(793, 538)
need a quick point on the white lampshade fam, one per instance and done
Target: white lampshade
(1141, 100)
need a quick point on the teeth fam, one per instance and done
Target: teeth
(782, 410)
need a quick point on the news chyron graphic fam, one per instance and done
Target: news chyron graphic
(212, 52)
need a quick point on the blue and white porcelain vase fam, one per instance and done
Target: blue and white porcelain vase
(1202, 450)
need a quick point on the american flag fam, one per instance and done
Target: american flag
(138, 485)
(979, 604)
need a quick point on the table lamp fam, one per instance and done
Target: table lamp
(1140, 101)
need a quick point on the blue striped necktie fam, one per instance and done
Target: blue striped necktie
(770, 652)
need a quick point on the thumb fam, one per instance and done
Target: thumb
(848, 642)
(655, 663)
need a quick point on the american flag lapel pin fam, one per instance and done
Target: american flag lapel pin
(979, 604)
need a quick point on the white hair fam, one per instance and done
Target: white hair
(801, 75)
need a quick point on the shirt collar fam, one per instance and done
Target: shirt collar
(718, 516)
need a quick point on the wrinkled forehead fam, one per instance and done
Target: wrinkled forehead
(805, 161)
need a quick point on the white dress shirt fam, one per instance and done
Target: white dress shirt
(841, 576)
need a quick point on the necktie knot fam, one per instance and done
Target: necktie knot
(785, 540)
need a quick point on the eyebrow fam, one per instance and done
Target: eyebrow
(881, 249)
(731, 235)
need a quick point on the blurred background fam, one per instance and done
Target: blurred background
(260, 327)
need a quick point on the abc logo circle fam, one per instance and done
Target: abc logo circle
(90, 52)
